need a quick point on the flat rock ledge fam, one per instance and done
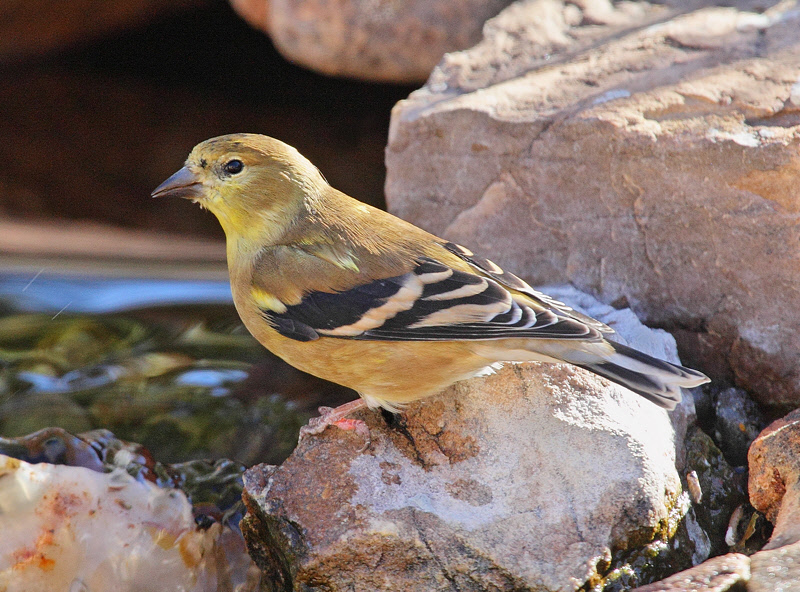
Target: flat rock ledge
(534, 478)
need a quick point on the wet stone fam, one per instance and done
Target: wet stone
(738, 420)
(214, 488)
(723, 488)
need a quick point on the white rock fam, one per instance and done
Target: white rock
(73, 529)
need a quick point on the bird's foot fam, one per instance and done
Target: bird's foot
(329, 416)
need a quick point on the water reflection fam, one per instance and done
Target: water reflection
(43, 292)
(163, 363)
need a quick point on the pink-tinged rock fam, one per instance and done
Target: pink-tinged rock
(527, 479)
(775, 570)
(76, 529)
(653, 163)
(770, 570)
(774, 484)
(381, 41)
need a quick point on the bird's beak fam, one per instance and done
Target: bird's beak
(184, 184)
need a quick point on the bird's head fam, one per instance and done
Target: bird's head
(255, 185)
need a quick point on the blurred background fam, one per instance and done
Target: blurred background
(105, 101)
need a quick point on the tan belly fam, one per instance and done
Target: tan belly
(396, 372)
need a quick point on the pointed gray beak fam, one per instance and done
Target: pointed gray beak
(184, 184)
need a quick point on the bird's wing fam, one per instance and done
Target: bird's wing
(432, 302)
(509, 280)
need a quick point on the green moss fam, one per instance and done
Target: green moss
(688, 534)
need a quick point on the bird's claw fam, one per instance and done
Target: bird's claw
(317, 425)
(329, 416)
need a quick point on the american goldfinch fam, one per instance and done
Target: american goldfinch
(354, 295)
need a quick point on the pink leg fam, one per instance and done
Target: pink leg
(337, 417)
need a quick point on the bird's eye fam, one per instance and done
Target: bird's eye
(233, 166)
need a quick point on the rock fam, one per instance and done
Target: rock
(213, 488)
(648, 164)
(55, 446)
(737, 422)
(777, 569)
(774, 485)
(72, 528)
(380, 41)
(533, 478)
(721, 488)
(34, 28)
(765, 571)
(715, 575)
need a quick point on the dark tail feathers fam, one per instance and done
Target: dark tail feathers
(656, 380)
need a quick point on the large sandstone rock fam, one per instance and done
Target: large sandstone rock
(531, 479)
(654, 164)
(383, 41)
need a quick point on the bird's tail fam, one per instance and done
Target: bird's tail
(656, 380)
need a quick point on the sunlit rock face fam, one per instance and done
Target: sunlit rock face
(76, 529)
(646, 153)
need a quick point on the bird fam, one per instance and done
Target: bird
(354, 295)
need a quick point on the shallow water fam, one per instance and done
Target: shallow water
(163, 363)
(48, 293)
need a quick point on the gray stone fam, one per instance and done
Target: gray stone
(737, 422)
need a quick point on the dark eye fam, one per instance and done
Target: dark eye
(233, 166)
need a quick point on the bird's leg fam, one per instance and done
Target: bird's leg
(329, 416)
